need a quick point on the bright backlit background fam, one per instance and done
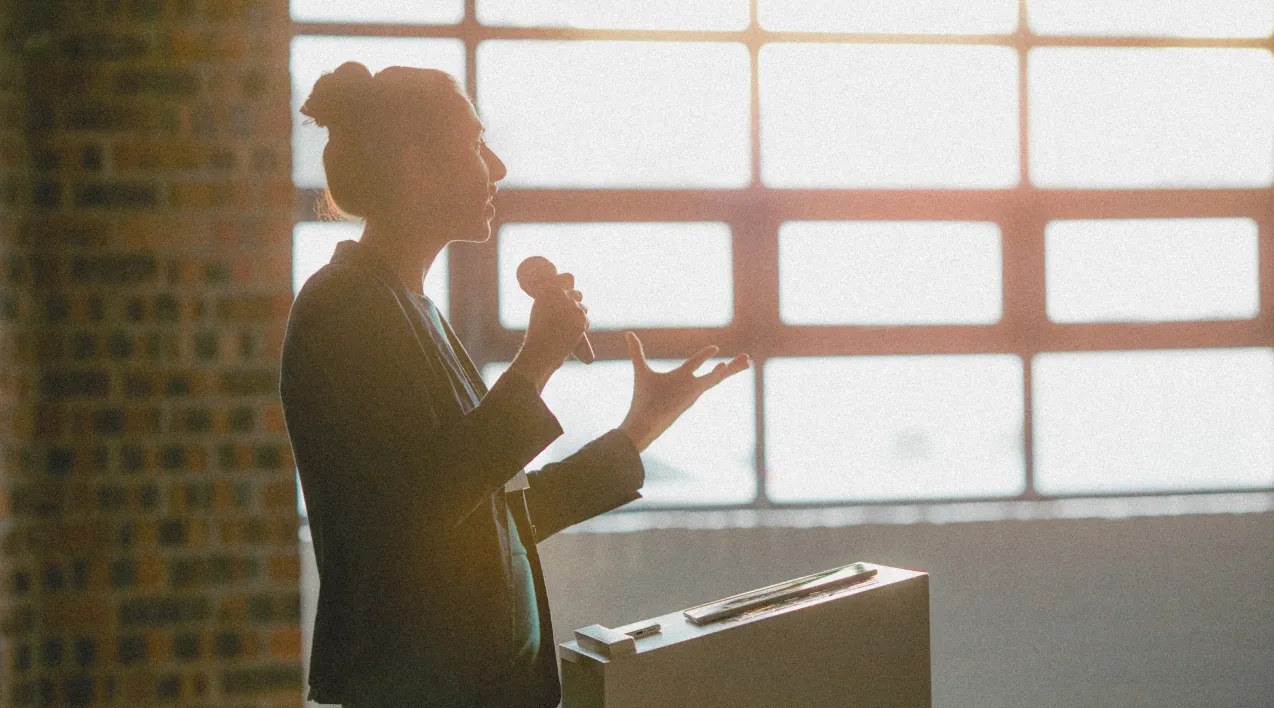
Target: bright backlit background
(976, 250)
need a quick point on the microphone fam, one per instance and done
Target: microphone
(533, 274)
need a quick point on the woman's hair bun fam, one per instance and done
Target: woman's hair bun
(337, 98)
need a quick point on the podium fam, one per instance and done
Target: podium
(861, 644)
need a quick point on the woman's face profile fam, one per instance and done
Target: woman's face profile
(459, 176)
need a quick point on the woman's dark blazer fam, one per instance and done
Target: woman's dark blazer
(406, 500)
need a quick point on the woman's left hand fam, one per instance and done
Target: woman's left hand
(660, 398)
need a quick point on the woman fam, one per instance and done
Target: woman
(430, 586)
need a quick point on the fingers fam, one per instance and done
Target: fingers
(724, 370)
(565, 281)
(578, 298)
(570, 298)
(697, 360)
(636, 352)
(581, 310)
(564, 303)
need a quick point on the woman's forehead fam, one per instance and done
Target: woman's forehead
(463, 121)
(462, 111)
(454, 115)
(428, 85)
(471, 116)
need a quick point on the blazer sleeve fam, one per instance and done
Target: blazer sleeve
(605, 474)
(353, 350)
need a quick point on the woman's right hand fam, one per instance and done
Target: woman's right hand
(660, 398)
(558, 319)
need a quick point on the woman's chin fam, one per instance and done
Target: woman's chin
(477, 234)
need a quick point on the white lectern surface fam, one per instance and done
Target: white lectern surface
(864, 645)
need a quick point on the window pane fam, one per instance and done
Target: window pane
(1153, 421)
(1155, 270)
(658, 274)
(617, 14)
(1131, 117)
(893, 427)
(888, 116)
(890, 16)
(434, 12)
(314, 56)
(706, 457)
(617, 114)
(1150, 18)
(889, 272)
(314, 242)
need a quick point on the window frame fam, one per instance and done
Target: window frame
(755, 212)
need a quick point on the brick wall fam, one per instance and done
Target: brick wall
(147, 502)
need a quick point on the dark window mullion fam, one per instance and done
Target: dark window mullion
(860, 204)
(754, 250)
(1265, 272)
(1025, 313)
(749, 272)
(473, 300)
(471, 30)
(1022, 260)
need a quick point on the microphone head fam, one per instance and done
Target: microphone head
(534, 271)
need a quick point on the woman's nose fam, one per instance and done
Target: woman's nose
(495, 166)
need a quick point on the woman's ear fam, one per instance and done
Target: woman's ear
(417, 184)
(414, 177)
(428, 174)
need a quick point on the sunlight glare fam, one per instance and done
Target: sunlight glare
(893, 427)
(706, 457)
(616, 14)
(433, 12)
(315, 56)
(657, 274)
(888, 116)
(1153, 420)
(617, 114)
(889, 16)
(1151, 117)
(889, 272)
(1151, 270)
(1153, 18)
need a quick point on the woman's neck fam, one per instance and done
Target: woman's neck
(403, 251)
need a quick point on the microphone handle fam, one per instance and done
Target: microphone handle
(584, 350)
(532, 274)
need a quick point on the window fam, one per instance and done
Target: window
(602, 110)
(1151, 270)
(875, 428)
(889, 272)
(1013, 249)
(634, 275)
(1161, 420)
(680, 468)
(919, 115)
(1153, 18)
(1141, 117)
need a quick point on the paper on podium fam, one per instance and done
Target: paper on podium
(859, 642)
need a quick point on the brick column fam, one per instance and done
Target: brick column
(148, 504)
